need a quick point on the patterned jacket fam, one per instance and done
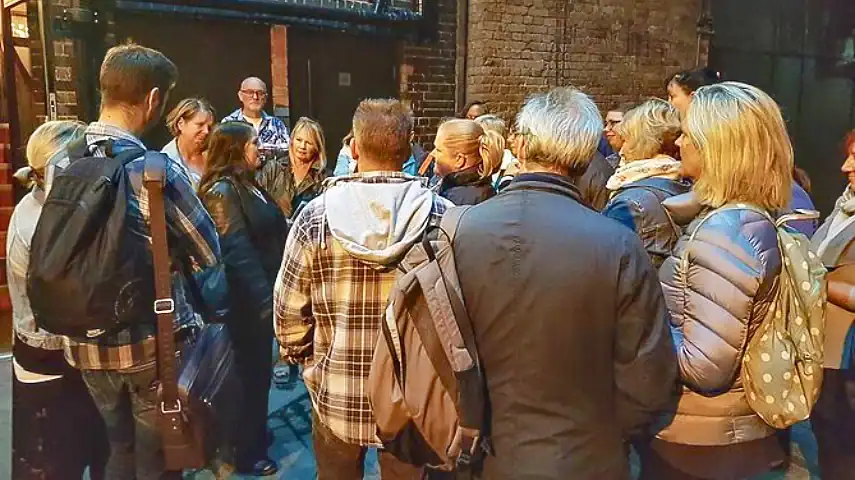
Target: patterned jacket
(331, 292)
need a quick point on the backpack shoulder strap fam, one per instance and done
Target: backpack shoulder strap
(470, 382)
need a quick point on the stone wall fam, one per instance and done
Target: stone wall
(615, 50)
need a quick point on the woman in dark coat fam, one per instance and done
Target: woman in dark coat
(647, 175)
(252, 233)
(466, 158)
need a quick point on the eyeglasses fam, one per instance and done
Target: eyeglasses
(254, 93)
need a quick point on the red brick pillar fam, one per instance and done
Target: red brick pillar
(279, 69)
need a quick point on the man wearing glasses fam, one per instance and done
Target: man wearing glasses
(273, 137)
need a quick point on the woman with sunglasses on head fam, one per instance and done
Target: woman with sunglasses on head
(252, 233)
(57, 431)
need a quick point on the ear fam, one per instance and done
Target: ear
(459, 161)
(354, 151)
(154, 99)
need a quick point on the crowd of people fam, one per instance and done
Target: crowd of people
(611, 285)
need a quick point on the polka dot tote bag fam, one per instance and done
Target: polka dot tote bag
(782, 365)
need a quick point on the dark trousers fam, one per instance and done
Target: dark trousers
(254, 363)
(127, 400)
(337, 460)
(56, 430)
(833, 423)
(669, 461)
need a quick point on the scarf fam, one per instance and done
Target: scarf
(846, 202)
(661, 166)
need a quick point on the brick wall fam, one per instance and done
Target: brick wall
(427, 75)
(63, 71)
(615, 50)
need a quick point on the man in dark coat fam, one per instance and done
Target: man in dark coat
(568, 314)
(592, 184)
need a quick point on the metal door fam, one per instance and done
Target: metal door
(793, 49)
(330, 73)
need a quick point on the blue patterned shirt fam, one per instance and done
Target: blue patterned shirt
(192, 237)
(272, 133)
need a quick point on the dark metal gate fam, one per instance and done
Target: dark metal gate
(803, 53)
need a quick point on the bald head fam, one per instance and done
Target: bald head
(253, 83)
(253, 96)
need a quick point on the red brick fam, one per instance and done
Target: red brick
(7, 197)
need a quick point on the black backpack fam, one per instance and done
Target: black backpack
(89, 273)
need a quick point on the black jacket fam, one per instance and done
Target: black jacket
(466, 187)
(252, 233)
(592, 184)
(639, 207)
(571, 327)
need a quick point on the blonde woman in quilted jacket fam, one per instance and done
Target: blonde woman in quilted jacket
(720, 283)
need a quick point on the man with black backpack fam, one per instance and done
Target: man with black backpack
(91, 275)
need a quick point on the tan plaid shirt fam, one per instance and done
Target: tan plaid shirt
(328, 308)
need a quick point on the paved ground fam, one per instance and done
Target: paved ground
(289, 420)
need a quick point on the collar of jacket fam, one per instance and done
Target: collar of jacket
(671, 187)
(684, 208)
(546, 182)
(470, 176)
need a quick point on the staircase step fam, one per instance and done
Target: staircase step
(7, 196)
(6, 174)
(5, 216)
(5, 153)
(4, 133)
(5, 299)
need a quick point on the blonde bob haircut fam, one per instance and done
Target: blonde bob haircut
(467, 137)
(649, 129)
(317, 133)
(745, 151)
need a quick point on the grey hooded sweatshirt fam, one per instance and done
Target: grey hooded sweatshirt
(336, 275)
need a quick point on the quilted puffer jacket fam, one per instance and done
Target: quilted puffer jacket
(718, 288)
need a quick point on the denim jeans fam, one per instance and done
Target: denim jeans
(127, 400)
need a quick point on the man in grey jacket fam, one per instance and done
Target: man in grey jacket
(567, 310)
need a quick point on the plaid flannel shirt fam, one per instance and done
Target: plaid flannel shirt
(272, 132)
(191, 232)
(328, 308)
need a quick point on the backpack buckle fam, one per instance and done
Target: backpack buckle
(164, 305)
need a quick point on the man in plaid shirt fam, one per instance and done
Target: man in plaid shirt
(120, 369)
(338, 269)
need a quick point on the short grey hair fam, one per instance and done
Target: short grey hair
(562, 129)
